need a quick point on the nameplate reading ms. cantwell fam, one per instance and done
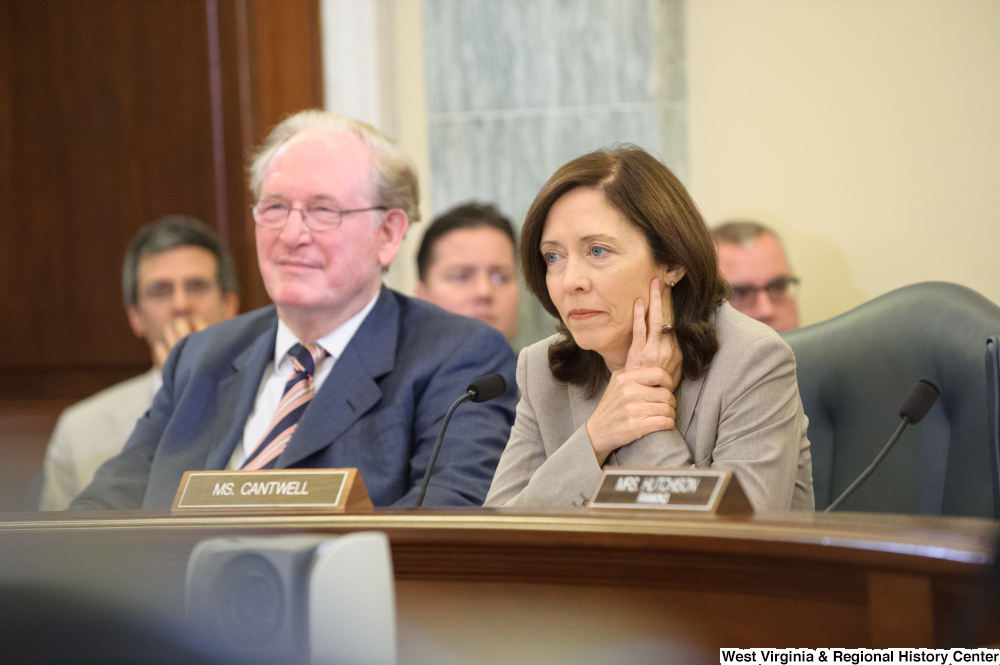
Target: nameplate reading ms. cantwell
(281, 491)
(688, 490)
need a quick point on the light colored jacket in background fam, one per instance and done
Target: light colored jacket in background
(88, 434)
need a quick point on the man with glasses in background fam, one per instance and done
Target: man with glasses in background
(177, 278)
(753, 261)
(341, 372)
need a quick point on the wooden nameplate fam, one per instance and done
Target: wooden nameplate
(689, 490)
(283, 491)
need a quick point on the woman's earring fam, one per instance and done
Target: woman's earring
(672, 284)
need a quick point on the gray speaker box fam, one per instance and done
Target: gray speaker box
(301, 599)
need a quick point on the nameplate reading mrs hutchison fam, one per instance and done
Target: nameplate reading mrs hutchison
(687, 490)
(283, 491)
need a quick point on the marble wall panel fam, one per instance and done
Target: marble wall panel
(506, 159)
(539, 53)
(515, 89)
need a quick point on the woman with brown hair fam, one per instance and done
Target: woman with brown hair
(650, 367)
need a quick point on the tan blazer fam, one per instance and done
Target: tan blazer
(744, 414)
(88, 434)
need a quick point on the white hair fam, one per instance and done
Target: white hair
(393, 179)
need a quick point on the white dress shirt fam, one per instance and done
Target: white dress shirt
(280, 370)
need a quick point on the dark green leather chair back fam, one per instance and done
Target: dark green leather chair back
(854, 372)
(993, 400)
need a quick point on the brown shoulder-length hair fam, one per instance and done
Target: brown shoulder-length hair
(656, 203)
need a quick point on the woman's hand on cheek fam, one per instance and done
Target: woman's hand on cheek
(634, 404)
(639, 398)
(651, 347)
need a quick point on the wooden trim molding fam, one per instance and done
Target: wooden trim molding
(118, 113)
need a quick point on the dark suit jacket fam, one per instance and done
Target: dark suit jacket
(380, 409)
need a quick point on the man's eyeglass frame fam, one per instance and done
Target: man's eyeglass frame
(308, 217)
(778, 290)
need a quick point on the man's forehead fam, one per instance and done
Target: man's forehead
(320, 163)
(479, 236)
(763, 260)
(474, 246)
(177, 262)
(318, 146)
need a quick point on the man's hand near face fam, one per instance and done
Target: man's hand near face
(176, 329)
(178, 293)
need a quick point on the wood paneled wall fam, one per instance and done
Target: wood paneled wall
(112, 114)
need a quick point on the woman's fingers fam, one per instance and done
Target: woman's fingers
(638, 327)
(645, 393)
(651, 347)
(637, 351)
(634, 404)
(647, 376)
(654, 424)
(638, 401)
(640, 409)
(674, 362)
(655, 310)
(643, 417)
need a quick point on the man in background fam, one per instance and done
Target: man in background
(753, 261)
(467, 266)
(177, 278)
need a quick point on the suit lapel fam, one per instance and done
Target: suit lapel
(350, 390)
(690, 393)
(582, 408)
(247, 371)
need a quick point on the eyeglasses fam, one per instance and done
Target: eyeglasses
(779, 290)
(193, 286)
(317, 217)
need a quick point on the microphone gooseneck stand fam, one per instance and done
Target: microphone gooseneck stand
(920, 400)
(482, 389)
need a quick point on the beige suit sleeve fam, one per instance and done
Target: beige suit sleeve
(761, 428)
(60, 484)
(528, 478)
(666, 449)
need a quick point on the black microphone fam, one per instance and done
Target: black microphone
(919, 401)
(487, 387)
(915, 407)
(482, 389)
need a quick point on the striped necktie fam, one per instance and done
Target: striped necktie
(298, 393)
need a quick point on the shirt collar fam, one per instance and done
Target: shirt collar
(334, 342)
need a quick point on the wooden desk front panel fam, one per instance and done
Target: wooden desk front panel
(515, 585)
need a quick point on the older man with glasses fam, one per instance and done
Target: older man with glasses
(753, 261)
(341, 371)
